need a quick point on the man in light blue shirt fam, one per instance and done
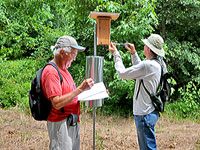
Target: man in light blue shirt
(150, 72)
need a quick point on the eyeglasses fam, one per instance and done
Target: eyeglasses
(73, 55)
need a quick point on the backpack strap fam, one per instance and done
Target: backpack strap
(61, 78)
(138, 91)
(55, 66)
(145, 88)
(141, 81)
(158, 61)
(162, 72)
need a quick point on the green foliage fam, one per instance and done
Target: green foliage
(99, 141)
(30, 27)
(136, 20)
(15, 81)
(16, 77)
(27, 27)
(179, 24)
(186, 55)
(78, 72)
(38, 24)
(121, 90)
(180, 19)
(189, 104)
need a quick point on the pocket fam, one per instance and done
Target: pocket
(151, 119)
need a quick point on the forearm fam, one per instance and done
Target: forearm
(59, 102)
(132, 72)
(135, 59)
(119, 66)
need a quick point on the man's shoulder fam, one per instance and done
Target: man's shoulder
(49, 69)
(151, 62)
(152, 65)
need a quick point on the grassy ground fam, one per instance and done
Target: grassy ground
(21, 132)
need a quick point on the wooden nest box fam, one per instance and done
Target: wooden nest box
(103, 26)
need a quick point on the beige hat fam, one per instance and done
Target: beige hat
(155, 42)
(68, 41)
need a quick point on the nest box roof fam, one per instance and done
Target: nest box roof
(104, 14)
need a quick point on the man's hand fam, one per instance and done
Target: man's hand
(61, 101)
(112, 48)
(131, 48)
(86, 84)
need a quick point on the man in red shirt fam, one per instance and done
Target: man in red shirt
(63, 97)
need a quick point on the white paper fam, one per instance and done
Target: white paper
(98, 91)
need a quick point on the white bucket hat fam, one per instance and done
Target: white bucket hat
(155, 42)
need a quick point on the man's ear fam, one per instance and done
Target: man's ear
(62, 52)
(149, 50)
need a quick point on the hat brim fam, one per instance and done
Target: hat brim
(79, 48)
(159, 52)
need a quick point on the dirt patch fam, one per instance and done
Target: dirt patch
(21, 132)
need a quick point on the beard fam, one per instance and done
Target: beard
(68, 64)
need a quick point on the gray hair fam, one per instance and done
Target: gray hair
(56, 51)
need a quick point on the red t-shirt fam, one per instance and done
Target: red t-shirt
(51, 87)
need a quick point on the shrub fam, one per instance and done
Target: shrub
(188, 105)
(15, 79)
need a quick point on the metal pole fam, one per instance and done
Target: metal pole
(95, 40)
(95, 49)
(93, 127)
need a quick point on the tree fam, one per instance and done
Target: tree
(179, 23)
(28, 28)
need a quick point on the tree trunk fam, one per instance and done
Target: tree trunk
(163, 27)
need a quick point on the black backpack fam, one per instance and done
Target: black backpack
(40, 106)
(163, 91)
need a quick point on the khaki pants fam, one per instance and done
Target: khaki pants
(63, 137)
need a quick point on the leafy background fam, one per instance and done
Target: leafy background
(29, 27)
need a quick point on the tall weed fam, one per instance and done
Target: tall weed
(188, 105)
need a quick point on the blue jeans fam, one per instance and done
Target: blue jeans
(145, 130)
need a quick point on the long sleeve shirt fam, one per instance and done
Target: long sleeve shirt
(149, 71)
